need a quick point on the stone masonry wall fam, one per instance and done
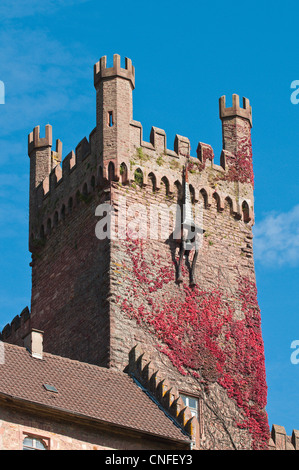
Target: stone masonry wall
(70, 282)
(148, 307)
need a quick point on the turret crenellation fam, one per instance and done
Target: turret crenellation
(102, 72)
(40, 148)
(244, 112)
(35, 141)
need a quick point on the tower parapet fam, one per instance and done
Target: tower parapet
(244, 112)
(35, 141)
(280, 441)
(101, 71)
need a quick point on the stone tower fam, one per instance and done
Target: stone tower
(97, 297)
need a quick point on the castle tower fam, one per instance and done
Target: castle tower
(236, 138)
(42, 161)
(98, 298)
(114, 88)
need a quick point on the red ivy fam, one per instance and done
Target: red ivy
(203, 337)
(240, 165)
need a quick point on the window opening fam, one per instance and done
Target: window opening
(192, 403)
(31, 443)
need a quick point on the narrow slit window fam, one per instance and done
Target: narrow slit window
(110, 119)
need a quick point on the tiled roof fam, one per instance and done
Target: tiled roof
(103, 394)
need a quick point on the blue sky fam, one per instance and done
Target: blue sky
(186, 55)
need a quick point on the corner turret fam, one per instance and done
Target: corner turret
(114, 88)
(42, 162)
(236, 156)
(42, 158)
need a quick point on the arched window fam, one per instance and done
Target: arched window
(217, 199)
(204, 194)
(32, 443)
(245, 211)
(192, 193)
(228, 205)
(111, 172)
(165, 182)
(219, 202)
(179, 190)
(138, 177)
(153, 180)
(123, 173)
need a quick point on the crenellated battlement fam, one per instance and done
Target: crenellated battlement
(244, 112)
(61, 169)
(61, 179)
(101, 72)
(80, 172)
(17, 328)
(35, 141)
(280, 441)
(116, 149)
